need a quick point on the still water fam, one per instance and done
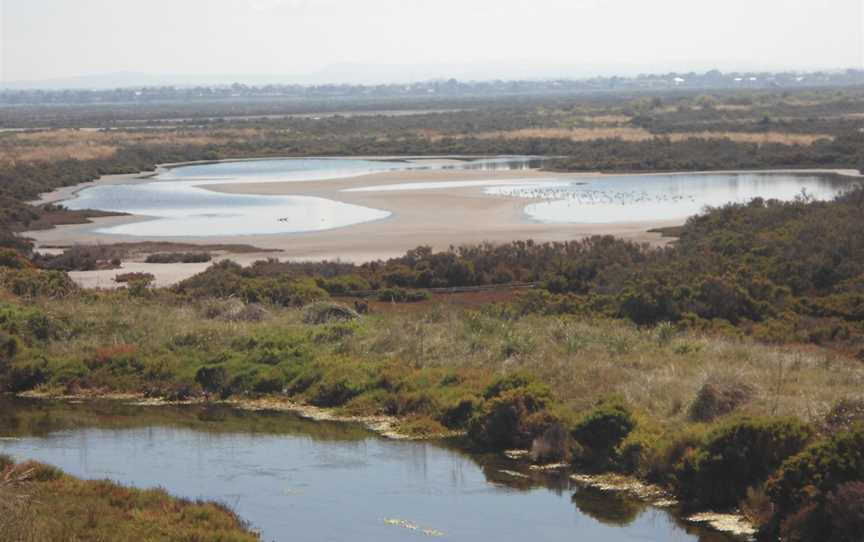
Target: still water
(177, 202)
(300, 480)
(634, 198)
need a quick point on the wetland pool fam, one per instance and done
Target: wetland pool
(299, 480)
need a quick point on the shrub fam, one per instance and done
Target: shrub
(509, 382)
(8, 349)
(343, 284)
(512, 418)
(459, 412)
(118, 358)
(600, 431)
(35, 283)
(718, 397)
(13, 259)
(24, 377)
(553, 445)
(211, 379)
(334, 390)
(179, 257)
(399, 295)
(133, 277)
(326, 312)
(5, 462)
(817, 471)
(739, 454)
(845, 512)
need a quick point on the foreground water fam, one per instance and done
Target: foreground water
(300, 480)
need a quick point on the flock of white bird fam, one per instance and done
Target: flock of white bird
(586, 196)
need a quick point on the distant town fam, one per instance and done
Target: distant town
(449, 88)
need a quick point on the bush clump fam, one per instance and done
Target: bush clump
(738, 455)
(600, 432)
(326, 312)
(124, 278)
(5, 462)
(179, 257)
(719, 397)
(512, 415)
(400, 295)
(817, 490)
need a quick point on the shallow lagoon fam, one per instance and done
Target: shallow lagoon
(635, 198)
(300, 480)
(178, 204)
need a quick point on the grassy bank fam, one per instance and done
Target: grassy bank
(41, 503)
(677, 407)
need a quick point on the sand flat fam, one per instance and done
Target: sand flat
(438, 217)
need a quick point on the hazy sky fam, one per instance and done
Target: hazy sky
(42, 39)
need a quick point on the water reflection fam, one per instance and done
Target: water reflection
(301, 480)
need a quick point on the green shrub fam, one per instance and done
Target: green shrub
(212, 379)
(23, 377)
(5, 462)
(8, 348)
(512, 381)
(275, 348)
(13, 259)
(511, 418)
(807, 478)
(343, 284)
(179, 257)
(35, 283)
(737, 455)
(28, 323)
(457, 413)
(399, 295)
(334, 382)
(601, 431)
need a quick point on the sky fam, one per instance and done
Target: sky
(393, 40)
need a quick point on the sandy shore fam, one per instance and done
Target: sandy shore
(438, 217)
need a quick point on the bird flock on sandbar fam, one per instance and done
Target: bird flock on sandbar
(577, 195)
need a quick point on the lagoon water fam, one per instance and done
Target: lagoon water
(177, 203)
(299, 480)
(635, 198)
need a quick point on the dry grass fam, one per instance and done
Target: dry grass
(659, 373)
(626, 133)
(585, 360)
(760, 138)
(93, 144)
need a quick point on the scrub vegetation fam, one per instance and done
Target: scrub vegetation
(39, 502)
(726, 367)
